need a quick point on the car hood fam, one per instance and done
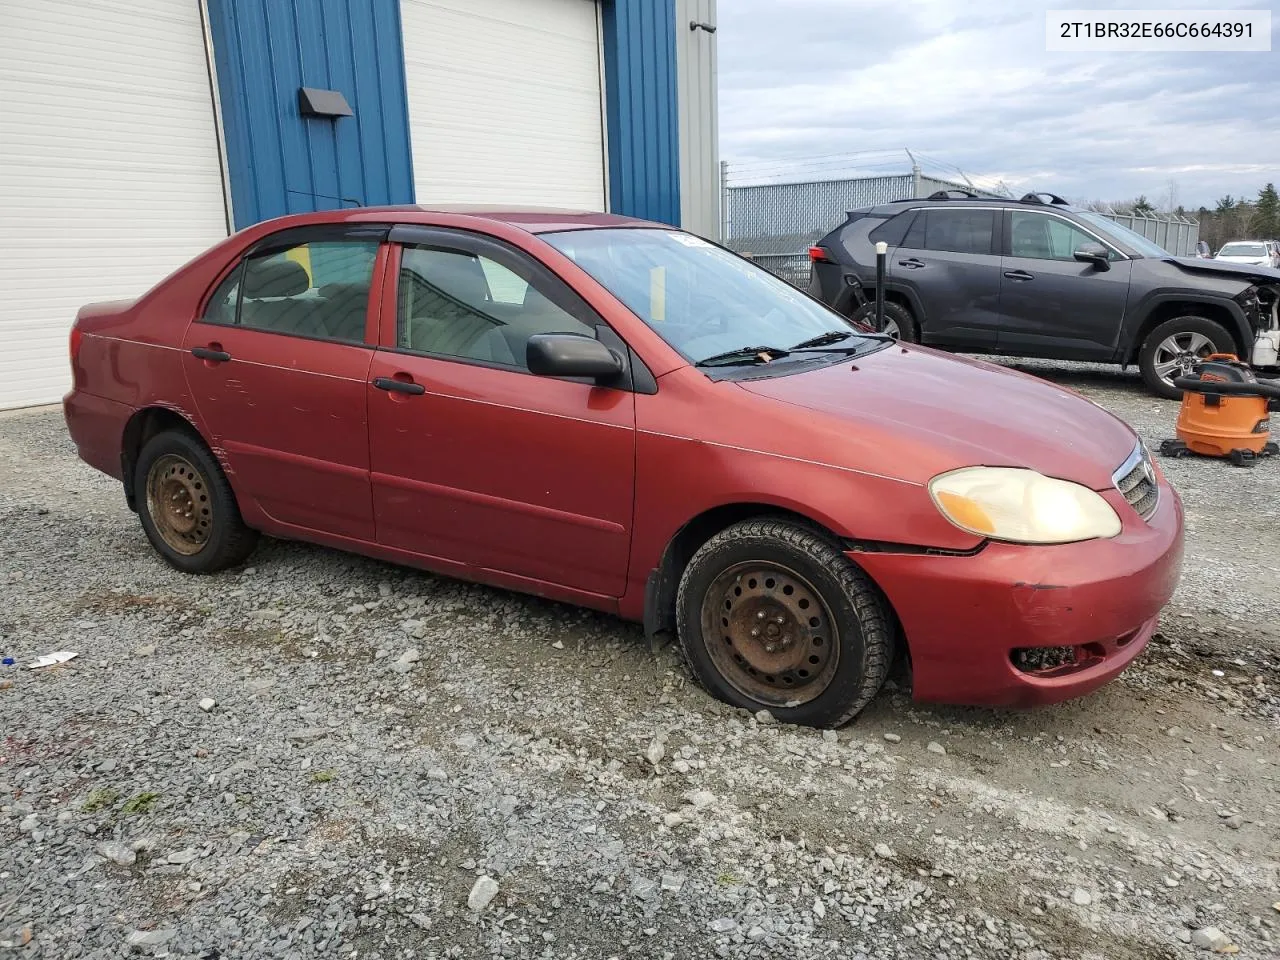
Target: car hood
(912, 413)
(1229, 268)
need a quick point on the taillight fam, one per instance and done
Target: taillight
(76, 337)
(819, 255)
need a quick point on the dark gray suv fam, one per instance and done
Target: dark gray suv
(1037, 277)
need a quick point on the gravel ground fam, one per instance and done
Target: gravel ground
(321, 755)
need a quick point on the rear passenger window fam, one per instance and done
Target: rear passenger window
(470, 306)
(959, 231)
(318, 290)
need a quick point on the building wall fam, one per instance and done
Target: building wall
(282, 162)
(696, 76)
(642, 115)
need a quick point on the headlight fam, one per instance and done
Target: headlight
(1022, 506)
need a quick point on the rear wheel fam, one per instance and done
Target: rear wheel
(187, 508)
(1174, 348)
(773, 616)
(898, 322)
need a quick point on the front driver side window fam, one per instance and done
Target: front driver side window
(1041, 237)
(484, 307)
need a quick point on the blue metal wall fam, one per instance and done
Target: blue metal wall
(281, 162)
(641, 108)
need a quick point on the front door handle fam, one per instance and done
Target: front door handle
(1019, 275)
(212, 354)
(911, 263)
(399, 386)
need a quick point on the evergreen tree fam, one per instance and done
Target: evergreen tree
(1265, 223)
(1142, 207)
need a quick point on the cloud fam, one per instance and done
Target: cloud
(976, 87)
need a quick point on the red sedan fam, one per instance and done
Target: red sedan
(621, 415)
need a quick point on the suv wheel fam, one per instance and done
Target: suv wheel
(898, 322)
(773, 616)
(1175, 347)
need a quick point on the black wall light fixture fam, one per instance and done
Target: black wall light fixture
(323, 103)
(695, 25)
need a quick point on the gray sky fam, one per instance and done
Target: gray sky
(971, 84)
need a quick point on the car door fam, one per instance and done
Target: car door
(949, 265)
(476, 460)
(1051, 304)
(278, 365)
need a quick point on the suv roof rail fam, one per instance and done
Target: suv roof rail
(947, 195)
(1039, 196)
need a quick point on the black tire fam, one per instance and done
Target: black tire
(187, 471)
(894, 313)
(1192, 330)
(858, 639)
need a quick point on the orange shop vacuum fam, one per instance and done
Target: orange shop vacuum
(1224, 412)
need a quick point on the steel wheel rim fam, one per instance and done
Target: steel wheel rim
(891, 329)
(179, 505)
(770, 634)
(1178, 354)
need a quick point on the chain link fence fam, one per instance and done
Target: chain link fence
(775, 223)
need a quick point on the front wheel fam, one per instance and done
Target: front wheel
(187, 507)
(1175, 347)
(773, 616)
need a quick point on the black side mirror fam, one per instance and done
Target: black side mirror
(571, 355)
(1094, 253)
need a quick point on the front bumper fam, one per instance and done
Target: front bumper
(964, 616)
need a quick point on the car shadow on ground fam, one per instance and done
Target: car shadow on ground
(1076, 374)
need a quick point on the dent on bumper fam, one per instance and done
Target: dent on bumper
(964, 616)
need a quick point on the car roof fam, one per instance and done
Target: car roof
(945, 197)
(528, 218)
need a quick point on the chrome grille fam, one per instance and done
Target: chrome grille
(1136, 481)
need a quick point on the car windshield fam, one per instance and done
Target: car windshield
(699, 298)
(1243, 250)
(1130, 238)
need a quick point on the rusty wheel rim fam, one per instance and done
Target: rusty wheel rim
(179, 505)
(770, 634)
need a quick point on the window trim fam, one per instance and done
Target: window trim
(636, 376)
(1006, 249)
(289, 238)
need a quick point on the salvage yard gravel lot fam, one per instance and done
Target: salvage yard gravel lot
(322, 755)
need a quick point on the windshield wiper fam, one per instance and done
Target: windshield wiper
(742, 355)
(825, 342)
(826, 339)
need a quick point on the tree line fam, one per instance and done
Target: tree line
(1233, 218)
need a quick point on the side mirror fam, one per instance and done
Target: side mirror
(571, 355)
(1094, 253)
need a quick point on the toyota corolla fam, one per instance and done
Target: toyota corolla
(621, 415)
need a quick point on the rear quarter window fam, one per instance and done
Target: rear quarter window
(894, 231)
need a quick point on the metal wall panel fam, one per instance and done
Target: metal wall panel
(642, 109)
(281, 162)
(699, 124)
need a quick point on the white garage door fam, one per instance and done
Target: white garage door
(504, 101)
(109, 168)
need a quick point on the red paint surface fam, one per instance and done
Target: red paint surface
(573, 492)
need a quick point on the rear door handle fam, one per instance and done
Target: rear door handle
(1019, 275)
(911, 263)
(399, 386)
(209, 353)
